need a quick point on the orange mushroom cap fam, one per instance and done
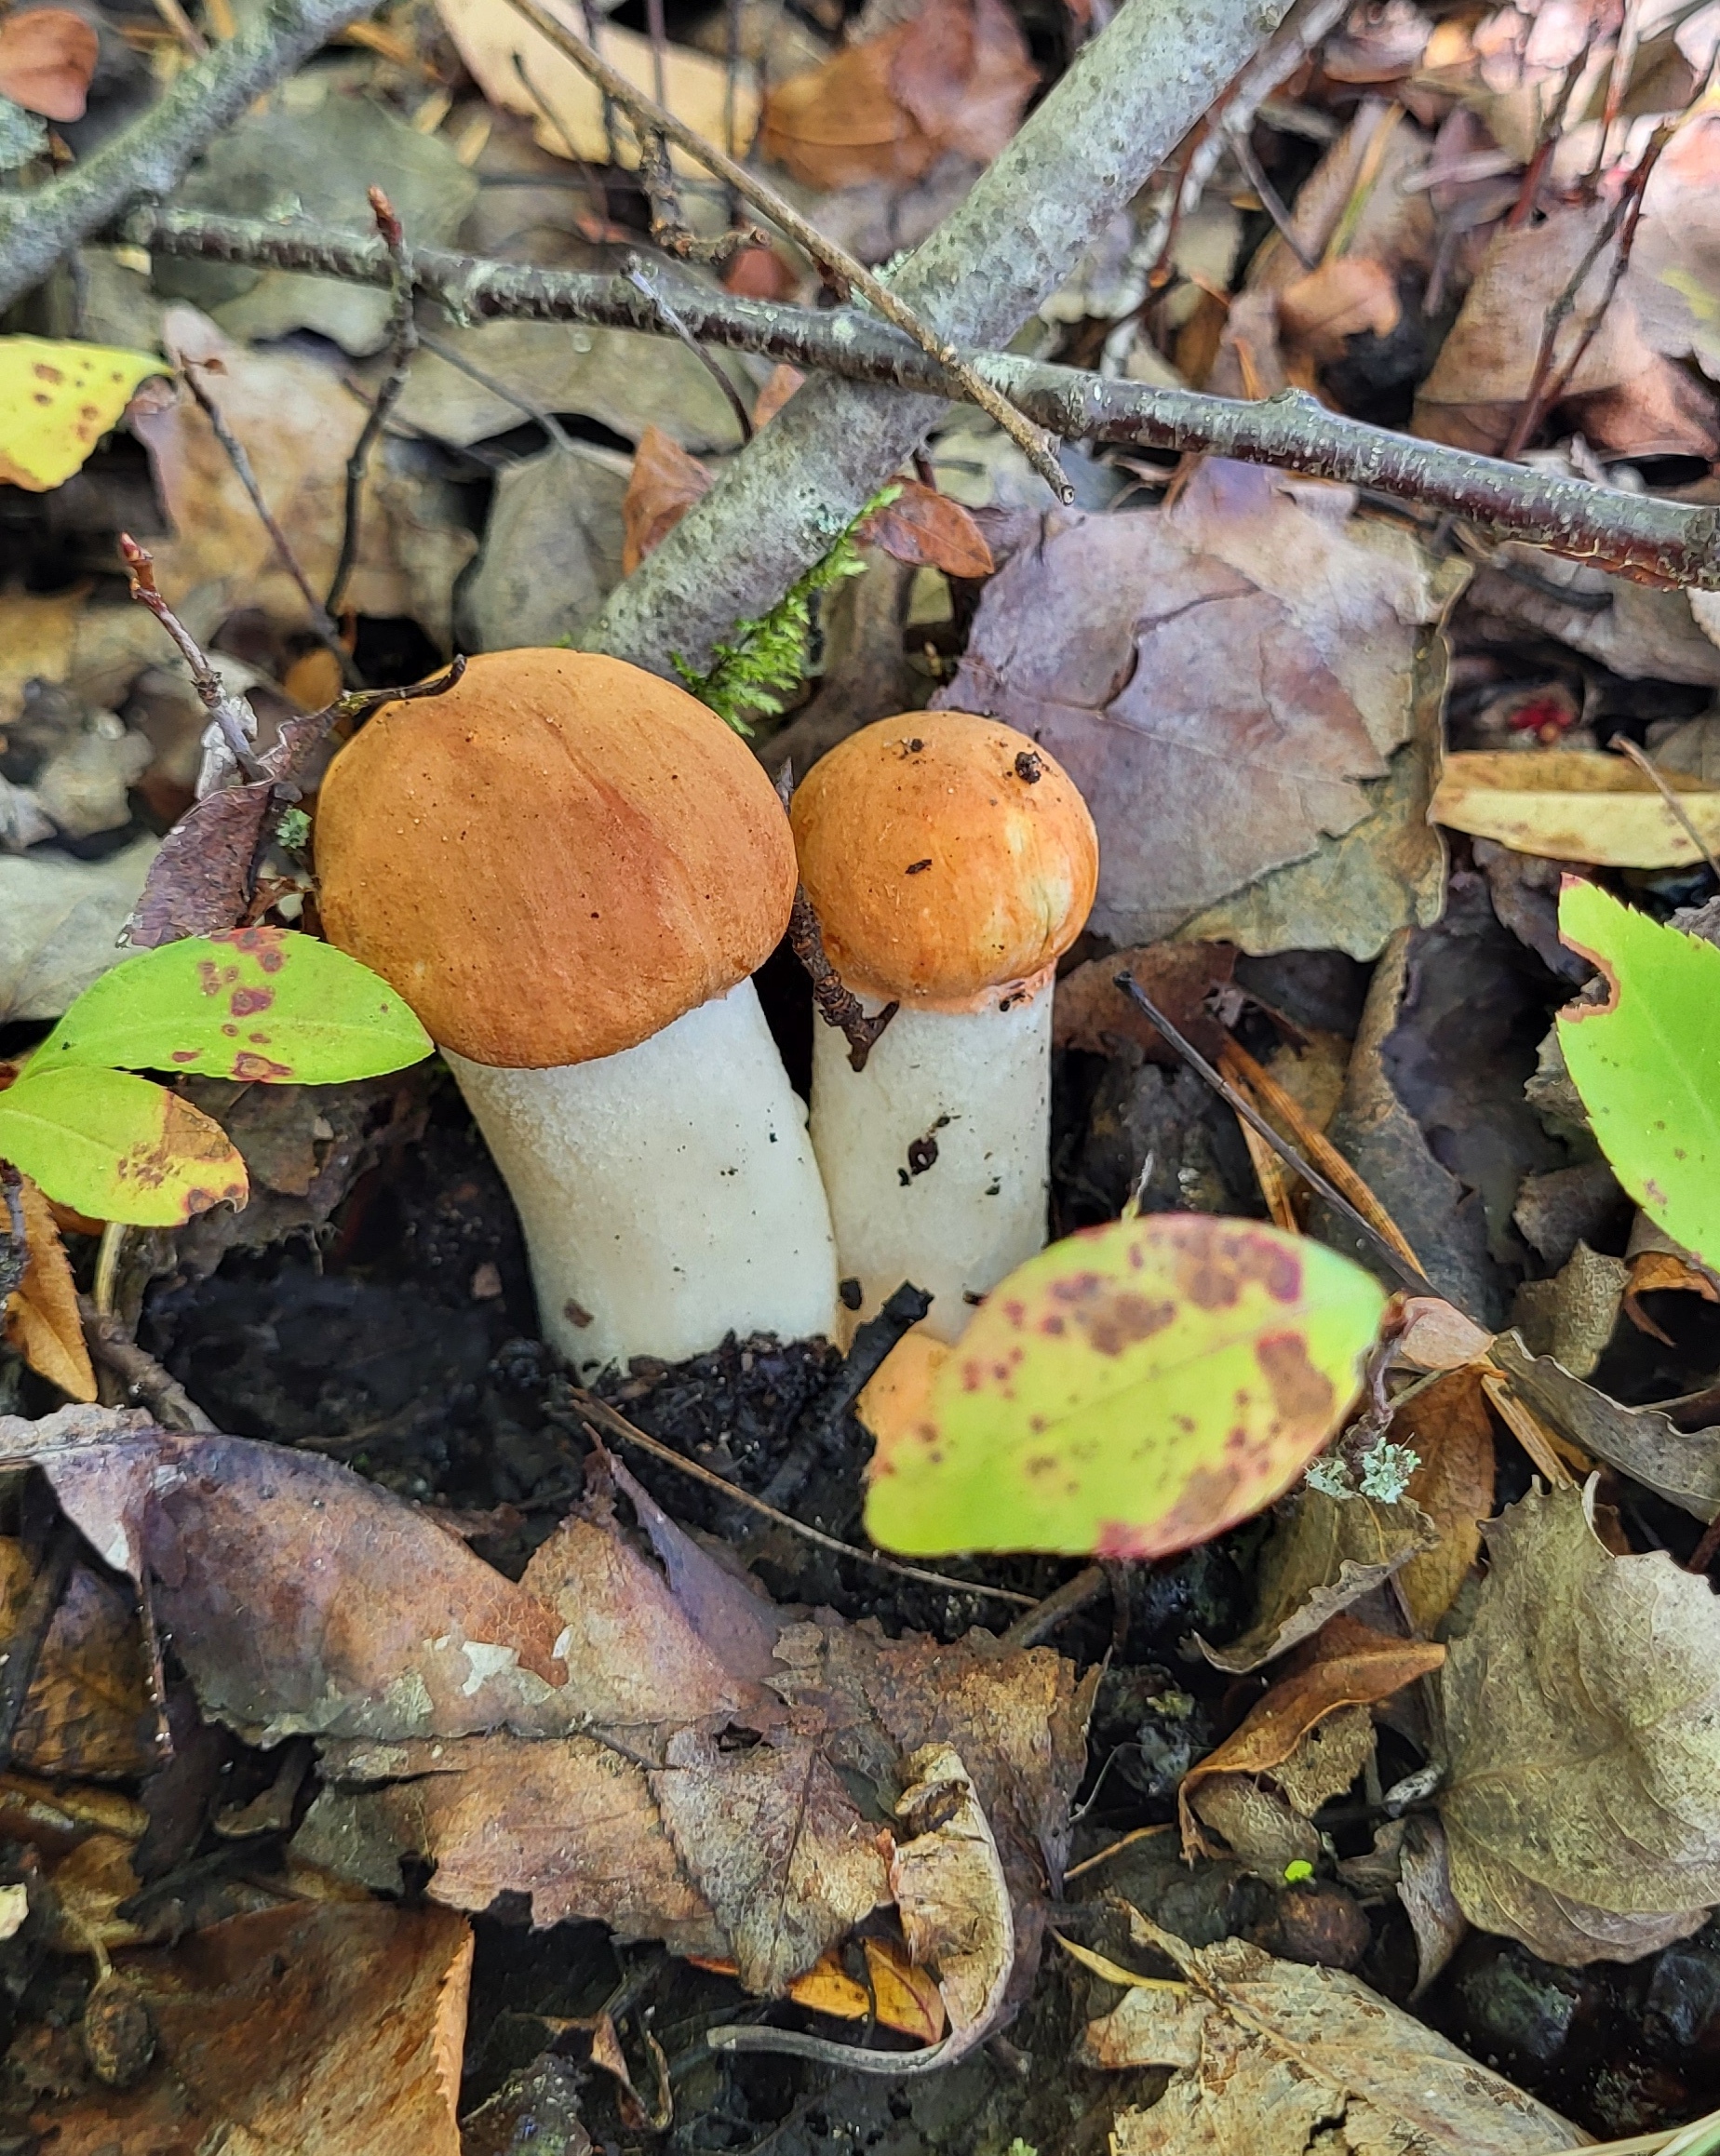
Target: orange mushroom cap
(555, 860)
(947, 858)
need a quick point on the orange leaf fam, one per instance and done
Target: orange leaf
(1352, 293)
(1449, 1427)
(46, 59)
(906, 1998)
(663, 484)
(930, 531)
(783, 381)
(41, 1318)
(1356, 1667)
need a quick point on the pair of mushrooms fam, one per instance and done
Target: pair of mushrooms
(569, 869)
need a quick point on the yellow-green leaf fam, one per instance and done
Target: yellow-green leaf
(1130, 1391)
(1647, 1062)
(1576, 805)
(57, 400)
(117, 1148)
(260, 1003)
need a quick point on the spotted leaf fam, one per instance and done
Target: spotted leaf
(117, 1147)
(57, 399)
(253, 1003)
(1646, 1061)
(1130, 1391)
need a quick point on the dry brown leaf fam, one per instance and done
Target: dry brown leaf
(1221, 679)
(1348, 1665)
(1091, 1012)
(1343, 298)
(1325, 1553)
(86, 1712)
(1654, 1272)
(331, 2030)
(1437, 1335)
(38, 637)
(487, 34)
(47, 56)
(663, 484)
(957, 76)
(1448, 1426)
(41, 1316)
(1278, 2058)
(1576, 805)
(951, 1895)
(928, 529)
(1582, 1798)
(782, 381)
(1572, 1316)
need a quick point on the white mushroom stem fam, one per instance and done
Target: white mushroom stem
(936, 1154)
(669, 1195)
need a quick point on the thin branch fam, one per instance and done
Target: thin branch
(226, 711)
(1037, 1625)
(601, 1412)
(649, 117)
(402, 344)
(635, 274)
(453, 357)
(137, 1370)
(1651, 771)
(836, 1003)
(1638, 535)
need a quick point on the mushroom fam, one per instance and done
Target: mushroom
(568, 868)
(951, 862)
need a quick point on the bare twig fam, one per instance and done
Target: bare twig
(327, 633)
(453, 357)
(1039, 1623)
(1638, 535)
(234, 720)
(872, 1343)
(1412, 1276)
(836, 1004)
(402, 344)
(1651, 771)
(1242, 149)
(138, 1370)
(737, 404)
(601, 1412)
(649, 116)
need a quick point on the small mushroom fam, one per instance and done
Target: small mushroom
(950, 862)
(569, 868)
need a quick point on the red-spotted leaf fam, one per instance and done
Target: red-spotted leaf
(252, 1003)
(1133, 1390)
(117, 1148)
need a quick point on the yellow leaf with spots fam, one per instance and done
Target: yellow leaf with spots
(1130, 1391)
(57, 400)
(119, 1147)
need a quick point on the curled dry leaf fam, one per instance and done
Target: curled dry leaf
(86, 1713)
(951, 1897)
(663, 484)
(897, 1993)
(326, 2029)
(1437, 1335)
(1278, 2058)
(1576, 805)
(1325, 1553)
(956, 76)
(1349, 1665)
(47, 58)
(1572, 1316)
(1448, 1426)
(1092, 1013)
(927, 529)
(1582, 1799)
(41, 1315)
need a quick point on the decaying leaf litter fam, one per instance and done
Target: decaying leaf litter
(421, 1732)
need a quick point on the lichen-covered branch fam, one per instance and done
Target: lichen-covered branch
(151, 156)
(1636, 533)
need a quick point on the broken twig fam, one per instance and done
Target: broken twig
(230, 716)
(402, 344)
(837, 1004)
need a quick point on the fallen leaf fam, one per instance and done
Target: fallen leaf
(1572, 1316)
(1424, 1888)
(1278, 2057)
(200, 880)
(117, 1148)
(1448, 1426)
(1132, 1390)
(951, 1897)
(57, 399)
(1576, 805)
(552, 551)
(1224, 680)
(1656, 1272)
(1348, 1665)
(1437, 1335)
(60, 924)
(86, 1715)
(1682, 1466)
(898, 1994)
(490, 37)
(1646, 1059)
(781, 383)
(1641, 631)
(1346, 297)
(41, 1316)
(1092, 1013)
(927, 529)
(47, 58)
(36, 639)
(663, 484)
(326, 2029)
(956, 76)
(1581, 1796)
(1324, 1553)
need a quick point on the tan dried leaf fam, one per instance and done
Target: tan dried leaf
(1343, 298)
(1576, 805)
(1437, 1335)
(47, 56)
(41, 1316)
(1449, 1430)
(951, 1895)
(1581, 1802)
(663, 484)
(1574, 1315)
(1278, 2058)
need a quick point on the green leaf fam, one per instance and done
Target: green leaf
(1647, 1062)
(254, 1003)
(1130, 1391)
(117, 1148)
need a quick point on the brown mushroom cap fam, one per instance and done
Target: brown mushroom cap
(555, 860)
(946, 856)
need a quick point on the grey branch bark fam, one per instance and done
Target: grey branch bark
(1130, 97)
(1669, 541)
(151, 156)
